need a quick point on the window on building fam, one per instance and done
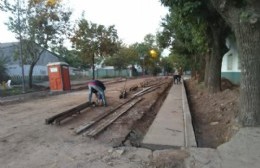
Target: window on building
(230, 62)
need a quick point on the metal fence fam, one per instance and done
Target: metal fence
(99, 73)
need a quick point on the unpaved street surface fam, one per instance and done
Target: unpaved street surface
(27, 142)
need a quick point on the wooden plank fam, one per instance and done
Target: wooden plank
(68, 112)
(98, 118)
(106, 123)
(145, 89)
(87, 125)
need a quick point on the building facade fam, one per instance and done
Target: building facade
(231, 63)
(9, 52)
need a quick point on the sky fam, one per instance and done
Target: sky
(133, 19)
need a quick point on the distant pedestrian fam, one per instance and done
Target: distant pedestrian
(98, 88)
(176, 77)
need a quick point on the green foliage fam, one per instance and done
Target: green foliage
(146, 59)
(3, 70)
(180, 61)
(185, 32)
(248, 16)
(40, 22)
(93, 40)
(155, 70)
(9, 91)
(124, 57)
(150, 40)
(71, 57)
(39, 25)
(167, 64)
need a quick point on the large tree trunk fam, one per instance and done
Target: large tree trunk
(206, 74)
(193, 67)
(31, 75)
(248, 41)
(202, 68)
(218, 50)
(34, 62)
(247, 32)
(34, 53)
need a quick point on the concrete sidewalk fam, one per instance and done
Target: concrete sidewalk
(172, 126)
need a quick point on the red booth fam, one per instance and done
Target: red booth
(59, 76)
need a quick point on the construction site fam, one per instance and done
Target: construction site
(147, 123)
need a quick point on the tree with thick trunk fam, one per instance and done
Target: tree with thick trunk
(38, 25)
(206, 74)
(244, 18)
(218, 32)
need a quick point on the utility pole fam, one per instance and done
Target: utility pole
(20, 44)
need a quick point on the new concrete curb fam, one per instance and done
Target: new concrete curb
(190, 140)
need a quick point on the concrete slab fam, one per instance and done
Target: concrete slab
(190, 140)
(242, 151)
(167, 130)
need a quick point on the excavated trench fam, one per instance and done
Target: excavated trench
(141, 126)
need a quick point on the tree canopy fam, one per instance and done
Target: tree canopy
(92, 41)
(39, 25)
(220, 17)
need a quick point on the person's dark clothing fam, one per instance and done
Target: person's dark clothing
(97, 86)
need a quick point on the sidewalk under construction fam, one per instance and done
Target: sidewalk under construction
(172, 127)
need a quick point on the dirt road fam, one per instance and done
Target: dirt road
(26, 142)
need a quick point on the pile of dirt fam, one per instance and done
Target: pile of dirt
(214, 115)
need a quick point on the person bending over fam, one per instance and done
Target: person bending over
(98, 88)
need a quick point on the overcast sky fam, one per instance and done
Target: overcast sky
(133, 19)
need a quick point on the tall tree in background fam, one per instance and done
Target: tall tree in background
(123, 58)
(92, 40)
(244, 18)
(70, 56)
(189, 15)
(40, 25)
(167, 65)
(149, 54)
(186, 38)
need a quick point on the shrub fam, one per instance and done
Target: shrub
(3, 70)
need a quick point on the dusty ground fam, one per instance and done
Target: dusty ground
(214, 115)
(26, 142)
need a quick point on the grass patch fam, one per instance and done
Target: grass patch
(10, 91)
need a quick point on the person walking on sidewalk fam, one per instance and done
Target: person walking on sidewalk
(177, 77)
(98, 88)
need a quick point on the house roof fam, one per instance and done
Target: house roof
(9, 51)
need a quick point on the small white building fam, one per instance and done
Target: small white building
(231, 63)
